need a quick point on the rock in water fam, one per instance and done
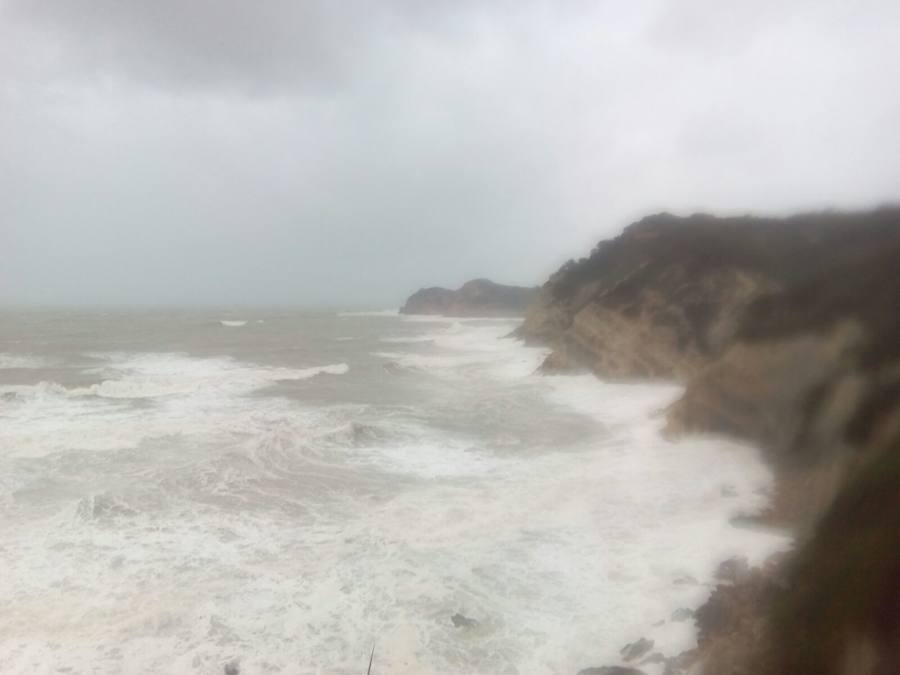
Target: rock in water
(461, 621)
(636, 650)
(682, 614)
(733, 570)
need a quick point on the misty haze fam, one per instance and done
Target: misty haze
(456, 338)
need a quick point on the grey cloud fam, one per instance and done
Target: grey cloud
(202, 42)
(347, 153)
(252, 47)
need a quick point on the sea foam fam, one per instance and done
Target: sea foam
(184, 513)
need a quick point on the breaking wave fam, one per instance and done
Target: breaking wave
(10, 361)
(187, 513)
(379, 312)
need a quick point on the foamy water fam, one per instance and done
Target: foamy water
(178, 497)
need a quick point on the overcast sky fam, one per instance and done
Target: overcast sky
(340, 152)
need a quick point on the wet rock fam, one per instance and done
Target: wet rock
(731, 625)
(682, 614)
(636, 650)
(461, 621)
(733, 570)
(681, 664)
(655, 657)
(685, 580)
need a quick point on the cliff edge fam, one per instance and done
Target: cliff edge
(671, 294)
(785, 332)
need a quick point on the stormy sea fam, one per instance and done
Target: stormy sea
(209, 491)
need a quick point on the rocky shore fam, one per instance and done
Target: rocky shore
(476, 298)
(786, 333)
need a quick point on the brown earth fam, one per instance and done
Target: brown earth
(786, 332)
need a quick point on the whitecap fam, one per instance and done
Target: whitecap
(233, 323)
(149, 396)
(334, 369)
(432, 460)
(9, 361)
(462, 347)
(409, 340)
(380, 312)
(447, 318)
(405, 521)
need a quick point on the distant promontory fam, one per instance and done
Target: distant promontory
(476, 298)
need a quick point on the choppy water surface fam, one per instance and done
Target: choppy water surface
(277, 491)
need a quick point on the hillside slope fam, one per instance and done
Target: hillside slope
(786, 332)
(476, 298)
(669, 294)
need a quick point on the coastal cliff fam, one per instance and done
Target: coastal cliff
(670, 294)
(786, 333)
(476, 298)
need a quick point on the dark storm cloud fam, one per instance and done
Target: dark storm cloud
(197, 43)
(251, 46)
(348, 152)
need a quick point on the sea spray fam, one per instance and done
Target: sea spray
(280, 499)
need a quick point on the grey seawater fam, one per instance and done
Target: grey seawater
(277, 491)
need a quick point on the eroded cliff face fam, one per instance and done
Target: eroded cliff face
(668, 327)
(670, 295)
(476, 298)
(786, 332)
(829, 417)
